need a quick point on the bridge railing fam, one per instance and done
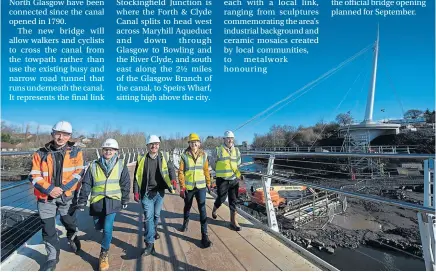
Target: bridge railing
(373, 149)
(335, 186)
(328, 193)
(19, 215)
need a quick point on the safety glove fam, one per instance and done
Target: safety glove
(183, 193)
(136, 197)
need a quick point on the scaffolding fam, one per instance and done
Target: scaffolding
(364, 166)
(318, 209)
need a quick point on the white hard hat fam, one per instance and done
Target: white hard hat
(152, 139)
(110, 143)
(229, 134)
(63, 126)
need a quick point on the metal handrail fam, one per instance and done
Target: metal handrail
(328, 146)
(409, 206)
(17, 184)
(342, 155)
(15, 153)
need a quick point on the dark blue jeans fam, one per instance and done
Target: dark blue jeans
(200, 195)
(105, 223)
(152, 204)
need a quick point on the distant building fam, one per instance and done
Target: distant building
(419, 120)
(8, 147)
(86, 140)
(24, 136)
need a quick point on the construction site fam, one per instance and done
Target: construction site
(327, 223)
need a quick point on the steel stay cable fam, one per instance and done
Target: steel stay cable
(295, 98)
(395, 92)
(340, 103)
(309, 84)
(354, 108)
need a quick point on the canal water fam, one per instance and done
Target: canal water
(372, 259)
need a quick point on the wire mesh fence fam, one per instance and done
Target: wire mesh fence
(19, 213)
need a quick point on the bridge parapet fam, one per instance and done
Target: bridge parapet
(326, 196)
(19, 218)
(389, 149)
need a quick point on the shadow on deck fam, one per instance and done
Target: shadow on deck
(249, 249)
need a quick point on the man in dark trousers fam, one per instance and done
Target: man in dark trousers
(57, 169)
(154, 173)
(226, 160)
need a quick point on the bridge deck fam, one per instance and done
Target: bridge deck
(249, 249)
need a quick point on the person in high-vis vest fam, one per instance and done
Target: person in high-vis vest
(194, 178)
(154, 173)
(107, 180)
(225, 161)
(57, 169)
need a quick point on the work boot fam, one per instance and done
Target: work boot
(103, 264)
(49, 265)
(148, 250)
(205, 242)
(185, 225)
(233, 222)
(214, 216)
(156, 234)
(74, 243)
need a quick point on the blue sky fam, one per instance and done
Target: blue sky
(405, 77)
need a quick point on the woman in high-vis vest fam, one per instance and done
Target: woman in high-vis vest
(194, 178)
(107, 180)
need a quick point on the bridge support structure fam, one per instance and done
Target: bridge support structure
(361, 144)
(272, 220)
(427, 222)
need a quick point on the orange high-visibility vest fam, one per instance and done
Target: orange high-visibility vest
(43, 171)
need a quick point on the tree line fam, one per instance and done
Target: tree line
(28, 139)
(321, 134)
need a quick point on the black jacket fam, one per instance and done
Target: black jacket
(106, 205)
(171, 172)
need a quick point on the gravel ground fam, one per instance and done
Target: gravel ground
(363, 222)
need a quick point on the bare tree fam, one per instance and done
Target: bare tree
(412, 114)
(344, 119)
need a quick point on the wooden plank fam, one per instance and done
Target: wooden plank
(249, 249)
